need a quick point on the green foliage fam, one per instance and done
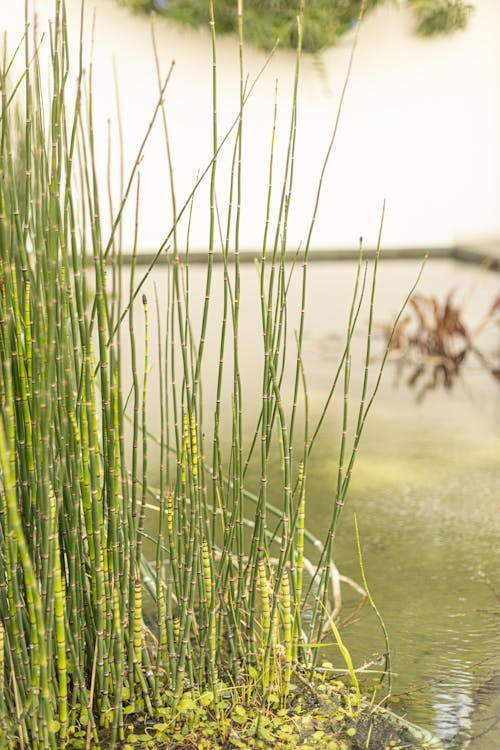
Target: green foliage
(434, 17)
(139, 5)
(325, 21)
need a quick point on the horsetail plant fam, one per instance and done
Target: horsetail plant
(231, 576)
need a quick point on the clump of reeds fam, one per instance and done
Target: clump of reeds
(238, 602)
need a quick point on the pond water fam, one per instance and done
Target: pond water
(426, 490)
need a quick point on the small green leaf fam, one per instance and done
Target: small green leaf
(207, 698)
(252, 673)
(185, 704)
(265, 735)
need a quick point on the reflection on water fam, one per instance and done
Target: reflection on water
(467, 715)
(426, 490)
(432, 344)
(464, 715)
(453, 709)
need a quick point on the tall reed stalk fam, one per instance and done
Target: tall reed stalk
(231, 578)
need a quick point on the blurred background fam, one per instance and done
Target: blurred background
(420, 124)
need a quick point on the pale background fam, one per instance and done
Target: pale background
(420, 125)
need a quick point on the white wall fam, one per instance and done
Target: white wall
(420, 125)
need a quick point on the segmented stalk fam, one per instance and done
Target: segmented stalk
(299, 567)
(287, 630)
(3, 710)
(207, 573)
(170, 512)
(265, 624)
(137, 615)
(60, 625)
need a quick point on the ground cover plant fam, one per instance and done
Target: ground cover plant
(240, 593)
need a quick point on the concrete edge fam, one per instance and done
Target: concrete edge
(473, 255)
